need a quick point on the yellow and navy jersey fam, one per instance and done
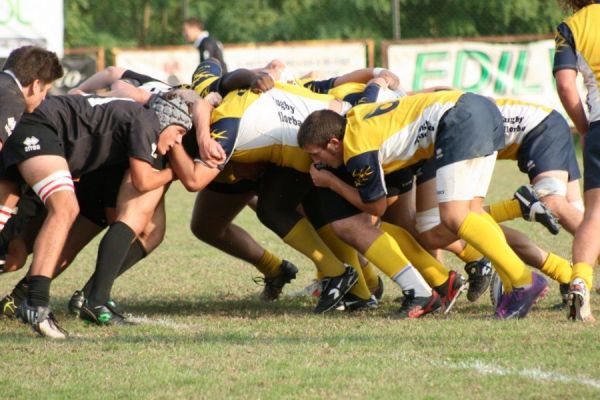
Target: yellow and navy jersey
(520, 118)
(264, 127)
(384, 137)
(578, 47)
(207, 77)
(352, 92)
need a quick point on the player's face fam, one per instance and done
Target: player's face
(37, 94)
(330, 155)
(171, 136)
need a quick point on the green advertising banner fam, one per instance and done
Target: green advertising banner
(521, 71)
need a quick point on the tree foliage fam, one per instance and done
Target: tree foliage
(133, 23)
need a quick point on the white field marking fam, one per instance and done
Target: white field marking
(167, 323)
(534, 373)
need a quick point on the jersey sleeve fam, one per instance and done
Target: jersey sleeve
(143, 139)
(207, 77)
(320, 86)
(367, 175)
(565, 56)
(10, 113)
(369, 95)
(225, 132)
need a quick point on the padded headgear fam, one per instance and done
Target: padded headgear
(172, 111)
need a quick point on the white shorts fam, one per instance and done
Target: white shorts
(465, 180)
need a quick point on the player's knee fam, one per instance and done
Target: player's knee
(452, 221)
(346, 231)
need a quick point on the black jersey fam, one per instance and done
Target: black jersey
(98, 132)
(12, 105)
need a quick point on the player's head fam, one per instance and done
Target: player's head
(321, 135)
(173, 114)
(36, 69)
(191, 28)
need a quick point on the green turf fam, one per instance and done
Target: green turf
(205, 334)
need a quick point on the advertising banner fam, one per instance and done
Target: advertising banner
(176, 64)
(31, 22)
(521, 71)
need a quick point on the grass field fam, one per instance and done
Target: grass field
(205, 334)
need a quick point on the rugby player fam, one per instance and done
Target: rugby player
(375, 139)
(577, 49)
(67, 137)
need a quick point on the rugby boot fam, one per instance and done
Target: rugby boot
(76, 301)
(353, 303)
(564, 297)
(479, 276)
(534, 210)
(520, 300)
(450, 290)
(274, 285)
(378, 291)
(416, 307)
(334, 290)
(579, 302)
(8, 307)
(101, 315)
(41, 320)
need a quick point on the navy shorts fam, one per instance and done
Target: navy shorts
(323, 206)
(549, 147)
(471, 129)
(591, 158)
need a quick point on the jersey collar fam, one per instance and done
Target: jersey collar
(10, 73)
(203, 35)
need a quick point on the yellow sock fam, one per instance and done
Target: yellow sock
(305, 239)
(585, 272)
(557, 268)
(269, 264)
(348, 255)
(487, 239)
(469, 254)
(505, 210)
(506, 283)
(434, 273)
(385, 253)
(370, 275)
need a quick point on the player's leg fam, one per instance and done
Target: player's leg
(49, 177)
(212, 222)
(280, 192)
(321, 207)
(586, 247)
(134, 212)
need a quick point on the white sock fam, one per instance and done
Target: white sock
(410, 279)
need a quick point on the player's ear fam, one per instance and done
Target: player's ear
(334, 143)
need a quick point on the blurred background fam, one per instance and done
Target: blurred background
(492, 47)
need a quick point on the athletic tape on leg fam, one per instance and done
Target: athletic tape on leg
(56, 182)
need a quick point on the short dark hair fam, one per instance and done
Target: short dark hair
(193, 21)
(29, 63)
(320, 127)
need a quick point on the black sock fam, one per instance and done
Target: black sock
(135, 254)
(38, 294)
(112, 251)
(19, 293)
